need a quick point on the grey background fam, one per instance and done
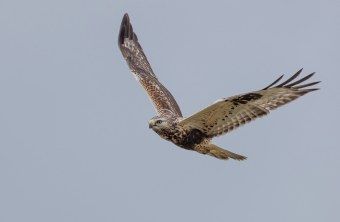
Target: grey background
(75, 143)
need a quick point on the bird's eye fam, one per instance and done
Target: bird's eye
(159, 121)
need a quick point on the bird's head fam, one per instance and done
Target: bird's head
(158, 123)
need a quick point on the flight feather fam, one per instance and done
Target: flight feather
(132, 51)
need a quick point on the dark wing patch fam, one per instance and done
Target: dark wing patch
(162, 99)
(228, 114)
(244, 99)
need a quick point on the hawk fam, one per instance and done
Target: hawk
(196, 131)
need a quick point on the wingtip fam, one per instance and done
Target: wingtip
(273, 83)
(125, 29)
(126, 18)
(288, 83)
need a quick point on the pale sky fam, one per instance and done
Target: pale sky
(75, 143)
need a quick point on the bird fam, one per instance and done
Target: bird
(196, 132)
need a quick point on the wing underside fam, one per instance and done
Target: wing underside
(228, 114)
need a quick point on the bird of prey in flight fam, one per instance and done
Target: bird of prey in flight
(196, 131)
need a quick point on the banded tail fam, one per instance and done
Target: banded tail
(218, 152)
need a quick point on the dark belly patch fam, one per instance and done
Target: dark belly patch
(189, 140)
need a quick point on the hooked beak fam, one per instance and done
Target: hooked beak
(151, 123)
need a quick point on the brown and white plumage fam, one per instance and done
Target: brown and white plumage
(228, 114)
(133, 53)
(196, 131)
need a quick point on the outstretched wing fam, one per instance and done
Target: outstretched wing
(228, 114)
(162, 99)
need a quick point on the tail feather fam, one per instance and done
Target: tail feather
(218, 152)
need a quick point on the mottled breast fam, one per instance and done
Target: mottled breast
(188, 139)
